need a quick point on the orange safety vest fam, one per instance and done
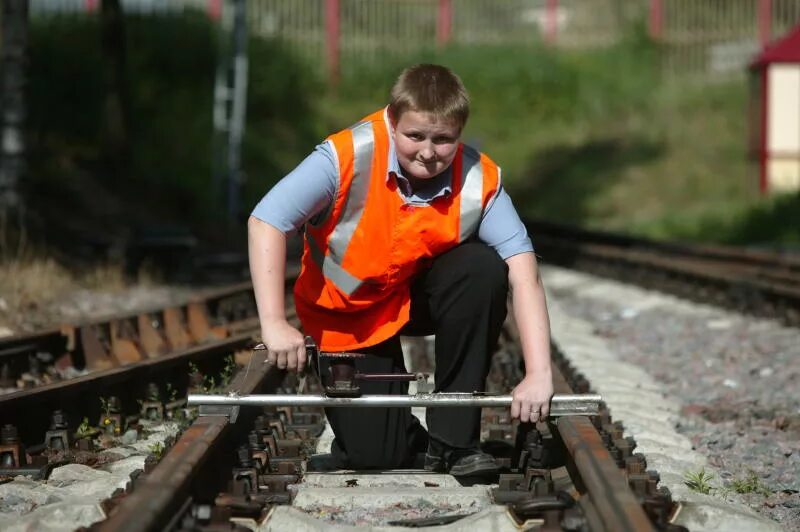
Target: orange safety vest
(359, 261)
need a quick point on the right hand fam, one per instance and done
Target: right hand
(286, 347)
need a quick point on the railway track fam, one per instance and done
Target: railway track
(124, 357)
(752, 281)
(247, 465)
(240, 463)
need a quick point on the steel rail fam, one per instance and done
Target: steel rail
(560, 405)
(30, 410)
(66, 339)
(759, 286)
(606, 498)
(701, 269)
(731, 254)
(161, 493)
(11, 346)
(60, 390)
(602, 480)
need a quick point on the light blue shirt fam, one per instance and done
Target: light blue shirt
(309, 190)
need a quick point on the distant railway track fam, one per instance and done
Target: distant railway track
(757, 282)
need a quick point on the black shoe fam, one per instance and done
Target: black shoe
(460, 462)
(324, 462)
(434, 463)
(473, 462)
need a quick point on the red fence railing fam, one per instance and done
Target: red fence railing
(706, 39)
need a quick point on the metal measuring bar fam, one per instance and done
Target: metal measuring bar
(560, 404)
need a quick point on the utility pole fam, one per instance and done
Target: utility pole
(13, 64)
(230, 108)
(116, 105)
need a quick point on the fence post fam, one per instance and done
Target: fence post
(15, 50)
(656, 19)
(444, 22)
(764, 22)
(763, 154)
(551, 21)
(214, 9)
(332, 33)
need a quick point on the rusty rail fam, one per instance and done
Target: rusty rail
(599, 478)
(730, 254)
(128, 338)
(121, 355)
(754, 281)
(159, 494)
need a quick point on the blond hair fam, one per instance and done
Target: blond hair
(433, 89)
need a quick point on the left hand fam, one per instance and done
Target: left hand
(531, 398)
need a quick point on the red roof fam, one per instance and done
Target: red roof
(785, 50)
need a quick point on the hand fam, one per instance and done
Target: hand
(286, 347)
(531, 398)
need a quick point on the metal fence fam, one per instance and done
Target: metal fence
(704, 39)
(40, 8)
(713, 39)
(370, 27)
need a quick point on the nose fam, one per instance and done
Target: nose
(426, 152)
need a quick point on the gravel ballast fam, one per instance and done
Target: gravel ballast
(735, 378)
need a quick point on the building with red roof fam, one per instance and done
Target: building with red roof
(775, 114)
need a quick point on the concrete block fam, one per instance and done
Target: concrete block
(719, 516)
(126, 466)
(55, 517)
(398, 480)
(494, 518)
(475, 497)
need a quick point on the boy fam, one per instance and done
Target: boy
(407, 231)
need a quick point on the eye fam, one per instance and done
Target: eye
(443, 140)
(414, 136)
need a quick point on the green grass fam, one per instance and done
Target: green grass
(592, 137)
(699, 481)
(749, 484)
(170, 71)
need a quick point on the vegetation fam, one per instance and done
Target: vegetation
(172, 392)
(168, 179)
(699, 481)
(589, 137)
(157, 450)
(594, 138)
(85, 430)
(227, 371)
(749, 484)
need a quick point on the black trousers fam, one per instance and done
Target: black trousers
(461, 299)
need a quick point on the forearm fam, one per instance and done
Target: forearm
(267, 252)
(529, 307)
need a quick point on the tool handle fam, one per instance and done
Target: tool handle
(410, 377)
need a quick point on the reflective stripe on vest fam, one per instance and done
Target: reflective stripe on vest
(470, 207)
(363, 140)
(471, 193)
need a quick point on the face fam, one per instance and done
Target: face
(425, 146)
